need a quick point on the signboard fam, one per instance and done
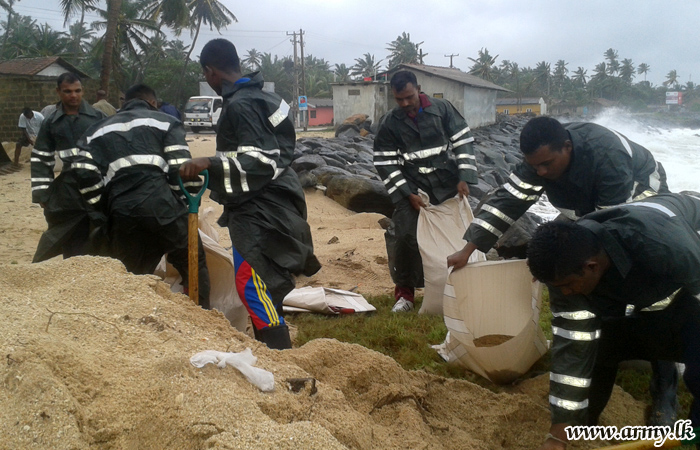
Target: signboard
(674, 98)
(303, 105)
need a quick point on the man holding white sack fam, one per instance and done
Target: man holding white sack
(411, 153)
(582, 167)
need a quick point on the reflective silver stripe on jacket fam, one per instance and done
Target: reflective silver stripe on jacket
(94, 200)
(227, 154)
(575, 315)
(623, 141)
(242, 174)
(86, 166)
(426, 153)
(42, 180)
(459, 134)
(174, 148)
(426, 169)
(655, 179)
(260, 157)
(37, 188)
(646, 194)
(47, 163)
(69, 152)
(520, 195)
(132, 160)
(178, 161)
(661, 304)
(568, 404)
(128, 126)
(569, 380)
(576, 335)
(40, 153)
(466, 156)
(92, 188)
(466, 166)
(497, 213)
(523, 185)
(278, 116)
(391, 176)
(487, 227)
(393, 162)
(400, 183)
(655, 206)
(463, 141)
(250, 148)
(227, 174)
(396, 153)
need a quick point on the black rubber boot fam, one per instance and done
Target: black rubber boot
(276, 338)
(663, 388)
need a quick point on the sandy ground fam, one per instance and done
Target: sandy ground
(94, 357)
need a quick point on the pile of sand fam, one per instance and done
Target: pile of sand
(95, 357)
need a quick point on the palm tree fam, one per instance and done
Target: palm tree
(484, 65)
(613, 65)
(543, 75)
(627, 70)
(7, 6)
(252, 59)
(403, 51)
(48, 42)
(365, 66)
(672, 79)
(114, 8)
(79, 36)
(341, 73)
(190, 14)
(580, 76)
(643, 68)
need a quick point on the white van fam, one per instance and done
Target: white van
(202, 112)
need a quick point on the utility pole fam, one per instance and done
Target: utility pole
(295, 82)
(303, 77)
(451, 56)
(421, 55)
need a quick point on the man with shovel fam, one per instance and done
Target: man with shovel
(641, 253)
(264, 206)
(128, 167)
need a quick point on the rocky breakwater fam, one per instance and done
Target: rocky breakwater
(343, 167)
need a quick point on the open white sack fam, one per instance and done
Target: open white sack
(440, 233)
(494, 298)
(325, 301)
(222, 295)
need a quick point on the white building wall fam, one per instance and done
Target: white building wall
(54, 70)
(350, 99)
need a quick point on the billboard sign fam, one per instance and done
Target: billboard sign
(303, 105)
(674, 98)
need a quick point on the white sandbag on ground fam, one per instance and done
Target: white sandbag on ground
(325, 301)
(494, 300)
(222, 295)
(440, 232)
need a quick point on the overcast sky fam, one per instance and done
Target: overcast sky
(663, 34)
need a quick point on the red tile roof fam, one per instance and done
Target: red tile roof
(32, 66)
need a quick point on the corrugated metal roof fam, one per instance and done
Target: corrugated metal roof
(320, 102)
(452, 74)
(514, 101)
(32, 66)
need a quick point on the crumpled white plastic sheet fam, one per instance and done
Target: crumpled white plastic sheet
(243, 361)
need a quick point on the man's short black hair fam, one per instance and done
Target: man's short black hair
(220, 54)
(67, 77)
(559, 249)
(541, 131)
(142, 91)
(401, 79)
(27, 111)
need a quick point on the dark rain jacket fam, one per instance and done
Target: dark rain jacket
(412, 155)
(606, 169)
(64, 208)
(654, 248)
(264, 204)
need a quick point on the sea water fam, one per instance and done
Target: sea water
(677, 149)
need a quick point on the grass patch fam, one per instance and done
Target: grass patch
(407, 339)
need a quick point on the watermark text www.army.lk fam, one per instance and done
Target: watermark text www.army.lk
(682, 430)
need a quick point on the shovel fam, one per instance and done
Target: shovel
(193, 202)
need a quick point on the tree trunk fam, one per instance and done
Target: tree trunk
(113, 10)
(184, 67)
(76, 46)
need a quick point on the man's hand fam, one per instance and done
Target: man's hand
(463, 189)
(190, 170)
(416, 202)
(461, 258)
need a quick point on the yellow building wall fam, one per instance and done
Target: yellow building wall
(519, 109)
